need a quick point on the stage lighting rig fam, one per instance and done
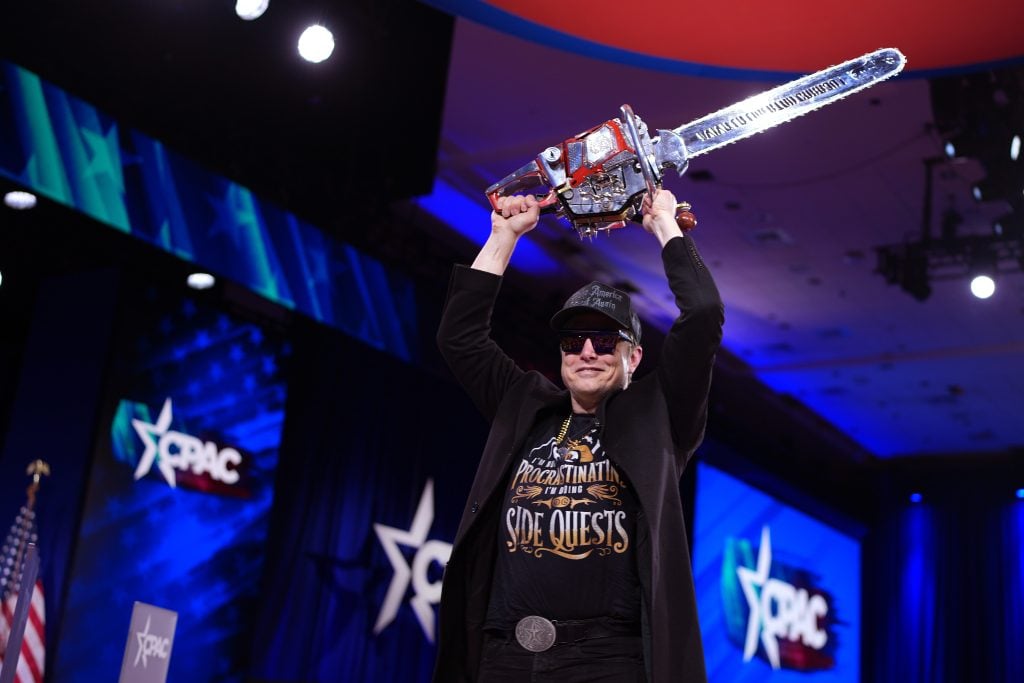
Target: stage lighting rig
(980, 116)
(915, 264)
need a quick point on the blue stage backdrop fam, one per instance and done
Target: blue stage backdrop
(180, 490)
(778, 592)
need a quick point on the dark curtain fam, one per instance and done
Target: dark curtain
(363, 434)
(53, 416)
(944, 589)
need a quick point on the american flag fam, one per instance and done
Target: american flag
(12, 561)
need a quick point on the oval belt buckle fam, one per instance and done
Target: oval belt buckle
(535, 634)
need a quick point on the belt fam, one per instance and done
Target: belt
(538, 634)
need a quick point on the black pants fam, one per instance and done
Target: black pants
(616, 659)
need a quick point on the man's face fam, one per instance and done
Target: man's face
(590, 376)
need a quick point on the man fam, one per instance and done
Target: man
(571, 561)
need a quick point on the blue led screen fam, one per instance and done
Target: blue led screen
(71, 152)
(179, 494)
(778, 592)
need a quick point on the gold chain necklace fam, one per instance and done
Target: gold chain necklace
(563, 430)
(561, 447)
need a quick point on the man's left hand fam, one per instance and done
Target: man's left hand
(659, 214)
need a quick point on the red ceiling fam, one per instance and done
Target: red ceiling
(789, 36)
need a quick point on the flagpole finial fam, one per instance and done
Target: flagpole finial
(37, 469)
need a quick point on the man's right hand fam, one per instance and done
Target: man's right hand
(515, 215)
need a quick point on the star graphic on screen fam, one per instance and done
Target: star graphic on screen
(752, 583)
(235, 216)
(426, 593)
(147, 432)
(104, 155)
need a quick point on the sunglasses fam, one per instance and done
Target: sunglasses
(604, 341)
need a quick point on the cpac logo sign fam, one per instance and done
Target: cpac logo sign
(172, 450)
(151, 645)
(426, 593)
(147, 653)
(783, 613)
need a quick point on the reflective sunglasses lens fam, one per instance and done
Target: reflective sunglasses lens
(603, 342)
(572, 343)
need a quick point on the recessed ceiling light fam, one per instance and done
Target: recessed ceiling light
(201, 281)
(251, 9)
(983, 286)
(19, 200)
(316, 44)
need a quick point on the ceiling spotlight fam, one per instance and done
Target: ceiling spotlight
(962, 145)
(983, 267)
(201, 280)
(1009, 225)
(916, 497)
(316, 44)
(251, 9)
(20, 200)
(1020, 493)
(1003, 181)
(983, 286)
(1015, 148)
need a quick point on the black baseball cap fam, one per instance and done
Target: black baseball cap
(600, 298)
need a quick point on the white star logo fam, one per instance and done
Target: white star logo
(146, 432)
(427, 594)
(142, 635)
(750, 581)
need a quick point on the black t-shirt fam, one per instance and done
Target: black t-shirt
(567, 532)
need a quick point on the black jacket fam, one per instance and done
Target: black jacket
(650, 430)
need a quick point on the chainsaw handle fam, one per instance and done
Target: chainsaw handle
(526, 177)
(548, 203)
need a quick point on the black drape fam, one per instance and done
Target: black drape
(363, 434)
(944, 589)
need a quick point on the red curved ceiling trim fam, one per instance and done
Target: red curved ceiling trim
(793, 36)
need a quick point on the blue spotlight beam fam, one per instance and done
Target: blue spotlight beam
(472, 220)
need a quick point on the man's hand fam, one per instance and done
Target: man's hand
(515, 215)
(659, 214)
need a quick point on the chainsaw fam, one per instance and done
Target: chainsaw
(597, 180)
